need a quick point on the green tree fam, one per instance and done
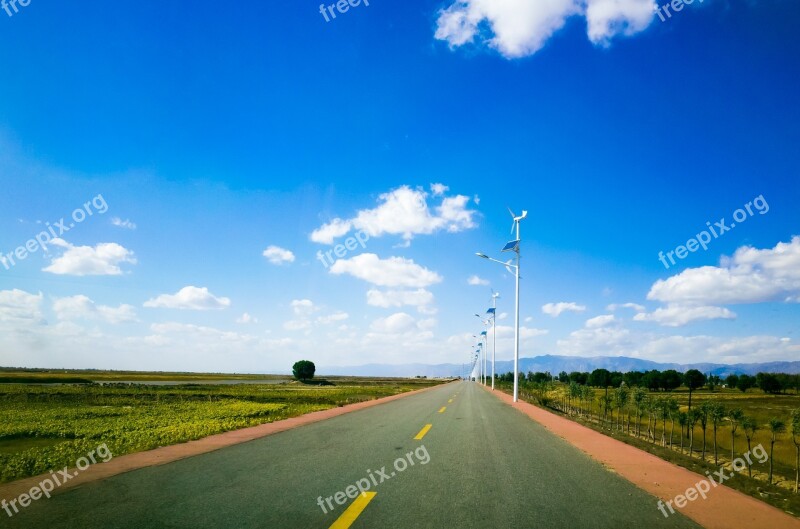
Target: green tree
(671, 379)
(672, 410)
(735, 417)
(587, 394)
(621, 395)
(776, 427)
(691, 419)
(704, 411)
(640, 403)
(717, 414)
(768, 383)
(600, 378)
(731, 380)
(633, 378)
(750, 427)
(304, 370)
(575, 391)
(683, 420)
(745, 382)
(607, 403)
(693, 379)
(796, 441)
(663, 412)
(652, 380)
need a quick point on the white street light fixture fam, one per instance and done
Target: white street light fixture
(513, 246)
(493, 312)
(485, 336)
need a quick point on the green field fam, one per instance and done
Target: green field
(45, 426)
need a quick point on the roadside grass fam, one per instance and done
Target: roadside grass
(47, 427)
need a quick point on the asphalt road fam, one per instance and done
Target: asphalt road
(481, 464)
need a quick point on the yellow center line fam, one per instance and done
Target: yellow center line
(443, 408)
(451, 400)
(349, 516)
(422, 432)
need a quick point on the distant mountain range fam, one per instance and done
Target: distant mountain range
(556, 364)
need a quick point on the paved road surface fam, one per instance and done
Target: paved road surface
(481, 464)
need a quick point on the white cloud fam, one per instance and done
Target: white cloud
(327, 233)
(507, 331)
(477, 281)
(600, 321)
(303, 307)
(606, 19)
(403, 211)
(82, 307)
(397, 323)
(616, 306)
(517, 28)
(246, 318)
(391, 272)
(277, 255)
(102, 259)
(20, 307)
(555, 309)
(195, 331)
(749, 276)
(421, 299)
(297, 325)
(502, 316)
(598, 341)
(189, 298)
(333, 318)
(439, 189)
(677, 315)
(125, 224)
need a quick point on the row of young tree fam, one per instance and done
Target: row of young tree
(668, 380)
(618, 404)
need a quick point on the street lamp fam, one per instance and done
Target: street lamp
(485, 357)
(513, 246)
(493, 312)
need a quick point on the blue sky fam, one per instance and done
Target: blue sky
(227, 144)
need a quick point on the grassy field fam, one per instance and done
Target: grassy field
(48, 426)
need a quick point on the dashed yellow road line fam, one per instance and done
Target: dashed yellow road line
(443, 408)
(422, 432)
(451, 400)
(349, 516)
